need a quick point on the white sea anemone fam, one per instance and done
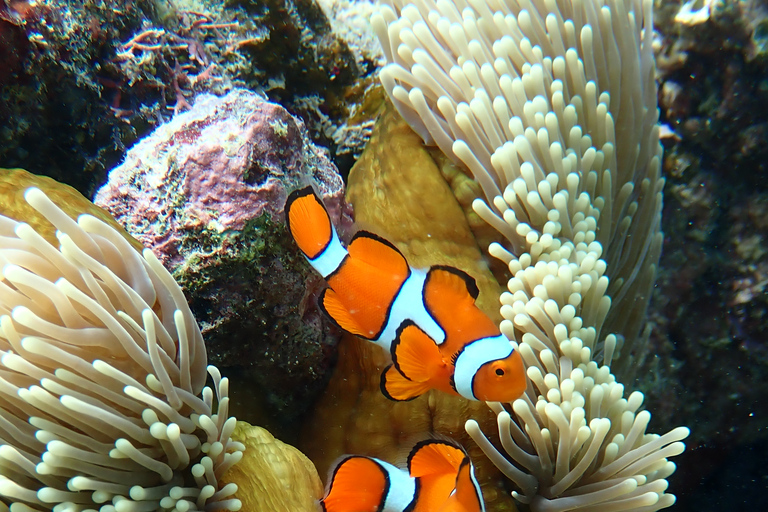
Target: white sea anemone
(101, 365)
(550, 105)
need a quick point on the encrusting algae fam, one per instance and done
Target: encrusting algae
(386, 187)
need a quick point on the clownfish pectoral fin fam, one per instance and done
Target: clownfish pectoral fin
(331, 305)
(308, 222)
(380, 254)
(467, 497)
(415, 354)
(358, 484)
(395, 386)
(435, 456)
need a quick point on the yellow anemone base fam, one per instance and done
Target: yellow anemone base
(272, 476)
(13, 184)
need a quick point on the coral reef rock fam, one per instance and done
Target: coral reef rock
(205, 192)
(55, 114)
(273, 476)
(709, 302)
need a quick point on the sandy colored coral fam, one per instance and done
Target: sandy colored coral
(397, 190)
(273, 476)
(466, 190)
(387, 187)
(13, 183)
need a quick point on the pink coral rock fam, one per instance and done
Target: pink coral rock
(205, 192)
(216, 167)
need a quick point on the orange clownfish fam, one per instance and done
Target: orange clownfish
(426, 319)
(440, 477)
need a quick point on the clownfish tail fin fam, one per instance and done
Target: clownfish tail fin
(311, 227)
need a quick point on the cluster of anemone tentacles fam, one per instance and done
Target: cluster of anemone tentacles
(103, 404)
(550, 105)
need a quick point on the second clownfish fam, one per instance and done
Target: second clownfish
(426, 319)
(439, 478)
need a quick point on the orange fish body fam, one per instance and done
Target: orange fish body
(440, 478)
(426, 319)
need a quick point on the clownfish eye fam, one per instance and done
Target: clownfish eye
(499, 372)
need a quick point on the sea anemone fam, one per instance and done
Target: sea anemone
(551, 106)
(103, 404)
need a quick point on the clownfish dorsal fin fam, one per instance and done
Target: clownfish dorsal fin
(435, 456)
(308, 222)
(332, 306)
(357, 480)
(453, 283)
(379, 253)
(395, 386)
(467, 492)
(415, 354)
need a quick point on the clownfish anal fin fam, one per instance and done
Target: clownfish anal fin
(379, 253)
(453, 282)
(395, 386)
(332, 306)
(435, 456)
(358, 480)
(415, 354)
(308, 222)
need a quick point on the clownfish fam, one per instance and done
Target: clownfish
(426, 319)
(440, 477)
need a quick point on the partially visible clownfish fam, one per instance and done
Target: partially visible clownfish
(440, 478)
(426, 319)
